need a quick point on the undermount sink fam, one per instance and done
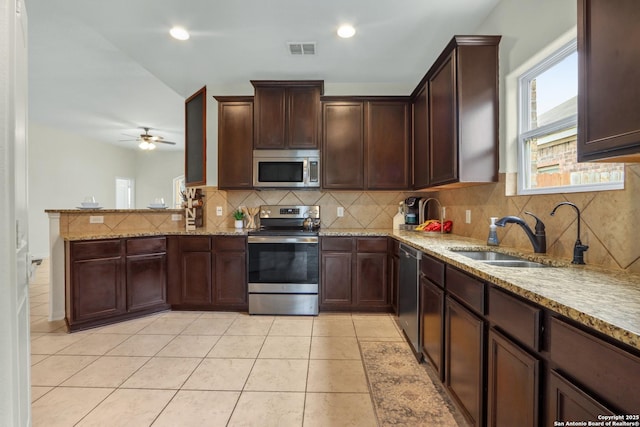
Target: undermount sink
(499, 259)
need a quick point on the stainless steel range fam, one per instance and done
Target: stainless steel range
(283, 261)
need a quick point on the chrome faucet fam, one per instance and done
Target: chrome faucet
(578, 248)
(538, 239)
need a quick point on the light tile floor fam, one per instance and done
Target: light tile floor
(203, 369)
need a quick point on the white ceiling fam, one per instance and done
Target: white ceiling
(102, 68)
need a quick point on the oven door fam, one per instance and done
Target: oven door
(283, 264)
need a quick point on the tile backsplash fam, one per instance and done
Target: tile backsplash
(608, 217)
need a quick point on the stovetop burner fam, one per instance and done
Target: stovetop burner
(288, 220)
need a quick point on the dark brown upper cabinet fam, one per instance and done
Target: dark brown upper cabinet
(460, 144)
(195, 152)
(420, 122)
(235, 142)
(342, 145)
(388, 148)
(366, 143)
(608, 76)
(287, 113)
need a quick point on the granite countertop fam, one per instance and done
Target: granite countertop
(605, 300)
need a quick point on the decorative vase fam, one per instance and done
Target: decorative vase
(237, 223)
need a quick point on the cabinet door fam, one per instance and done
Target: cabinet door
(98, 289)
(513, 377)
(146, 281)
(464, 359)
(269, 117)
(609, 104)
(432, 327)
(231, 279)
(387, 145)
(565, 401)
(371, 279)
(394, 262)
(303, 114)
(421, 139)
(443, 133)
(343, 145)
(196, 278)
(235, 144)
(336, 279)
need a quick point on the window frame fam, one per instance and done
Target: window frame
(524, 133)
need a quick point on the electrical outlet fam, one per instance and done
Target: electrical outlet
(219, 210)
(467, 217)
(96, 219)
(340, 212)
(176, 217)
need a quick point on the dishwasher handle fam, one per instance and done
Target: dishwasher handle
(409, 252)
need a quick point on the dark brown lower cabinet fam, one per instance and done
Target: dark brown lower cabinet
(114, 279)
(97, 290)
(230, 284)
(394, 262)
(146, 268)
(208, 272)
(513, 378)
(432, 316)
(566, 401)
(354, 274)
(464, 363)
(336, 280)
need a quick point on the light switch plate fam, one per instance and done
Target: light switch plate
(176, 217)
(219, 210)
(340, 212)
(96, 219)
(467, 218)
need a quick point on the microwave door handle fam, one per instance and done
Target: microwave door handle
(305, 171)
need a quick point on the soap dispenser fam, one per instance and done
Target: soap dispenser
(492, 240)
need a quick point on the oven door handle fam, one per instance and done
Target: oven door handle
(282, 239)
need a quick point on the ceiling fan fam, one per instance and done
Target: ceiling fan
(148, 141)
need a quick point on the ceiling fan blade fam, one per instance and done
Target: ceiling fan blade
(126, 140)
(166, 142)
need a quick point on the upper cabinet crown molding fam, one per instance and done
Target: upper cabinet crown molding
(287, 113)
(608, 76)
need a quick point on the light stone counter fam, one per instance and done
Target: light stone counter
(605, 300)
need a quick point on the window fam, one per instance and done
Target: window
(548, 94)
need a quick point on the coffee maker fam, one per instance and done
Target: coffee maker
(412, 210)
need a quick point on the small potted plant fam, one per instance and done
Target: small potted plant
(238, 216)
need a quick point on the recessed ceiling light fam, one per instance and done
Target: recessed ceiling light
(346, 31)
(179, 33)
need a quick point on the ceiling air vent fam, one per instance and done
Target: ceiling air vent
(302, 48)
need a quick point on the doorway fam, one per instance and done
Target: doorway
(125, 193)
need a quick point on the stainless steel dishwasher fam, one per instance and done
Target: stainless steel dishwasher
(409, 297)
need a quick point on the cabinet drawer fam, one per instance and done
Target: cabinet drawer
(466, 288)
(230, 244)
(337, 244)
(432, 269)
(376, 244)
(192, 244)
(600, 367)
(146, 245)
(517, 318)
(95, 249)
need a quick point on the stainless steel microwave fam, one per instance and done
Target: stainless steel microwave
(286, 168)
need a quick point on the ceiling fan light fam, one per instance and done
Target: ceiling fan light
(144, 145)
(152, 146)
(179, 33)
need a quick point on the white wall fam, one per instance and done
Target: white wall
(63, 169)
(526, 26)
(155, 171)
